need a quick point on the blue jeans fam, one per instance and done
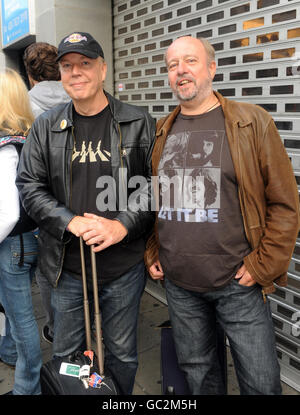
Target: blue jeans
(119, 303)
(8, 349)
(15, 296)
(247, 322)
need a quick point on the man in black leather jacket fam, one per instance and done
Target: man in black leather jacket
(73, 180)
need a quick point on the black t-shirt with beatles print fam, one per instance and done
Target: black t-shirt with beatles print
(92, 191)
(201, 232)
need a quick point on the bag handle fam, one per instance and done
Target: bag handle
(99, 350)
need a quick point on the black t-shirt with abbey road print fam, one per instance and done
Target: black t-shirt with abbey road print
(201, 232)
(91, 162)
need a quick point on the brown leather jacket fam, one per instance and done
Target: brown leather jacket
(267, 190)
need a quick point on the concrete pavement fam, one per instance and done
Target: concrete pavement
(152, 314)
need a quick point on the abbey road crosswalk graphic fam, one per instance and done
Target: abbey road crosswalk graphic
(88, 155)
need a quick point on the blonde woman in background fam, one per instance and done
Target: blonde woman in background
(18, 245)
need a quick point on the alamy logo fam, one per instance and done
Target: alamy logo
(296, 64)
(296, 325)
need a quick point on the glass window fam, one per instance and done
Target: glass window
(215, 16)
(227, 29)
(158, 108)
(157, 58)
(204, 4)
(141, 12)
(219, 77)
(218, 46)
(136, 50)
(158, 32)
(240, 9)
(266, 3)
(281, 17)
(253, 57)
(282, 53)
(151, 71)
(252, 91)
(150, 96)
(236, 76)
(149, 22)
(135, 26)
(269, 107)
(157, 6)
(282, 89)
(205, 33)
(193, 22)
(142, 61)
(267, 73)
(230, 92)
(143, 84)
(292, 107)
(174, 27)
(165, 43)
(166, 95)
(156, 84)
(143, 36)
(129, 63)
(165, 16)
(184, 10)
(150, 46)
(237, 43)
(293, 33)
(251, 24)
(284, 125)
(227, 61)
(267, 37)
(128, 17)
(136, 74)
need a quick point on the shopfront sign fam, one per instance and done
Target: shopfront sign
(15, 21)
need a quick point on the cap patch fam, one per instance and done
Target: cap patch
(75, 38)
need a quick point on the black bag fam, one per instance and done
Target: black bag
(173, 380)
(55, 383)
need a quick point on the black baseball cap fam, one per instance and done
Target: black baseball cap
(80, 42)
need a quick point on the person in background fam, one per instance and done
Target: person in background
(46, 92)
(221, 262)
(18, 245)
(44, 77)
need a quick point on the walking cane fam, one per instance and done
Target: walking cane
(99, 350)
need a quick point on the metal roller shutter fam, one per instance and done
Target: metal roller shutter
(257, 46)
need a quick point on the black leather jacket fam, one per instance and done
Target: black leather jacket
(44, 175)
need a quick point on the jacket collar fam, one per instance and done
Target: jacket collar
(121, 112)
(229, 110)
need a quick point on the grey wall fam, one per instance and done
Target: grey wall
(93, 16)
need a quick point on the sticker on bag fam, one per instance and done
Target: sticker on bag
(69, 369)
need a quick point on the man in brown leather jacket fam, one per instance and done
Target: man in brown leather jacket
(225, 229)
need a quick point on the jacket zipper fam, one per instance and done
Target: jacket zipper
(70, 202)
(121, 156)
